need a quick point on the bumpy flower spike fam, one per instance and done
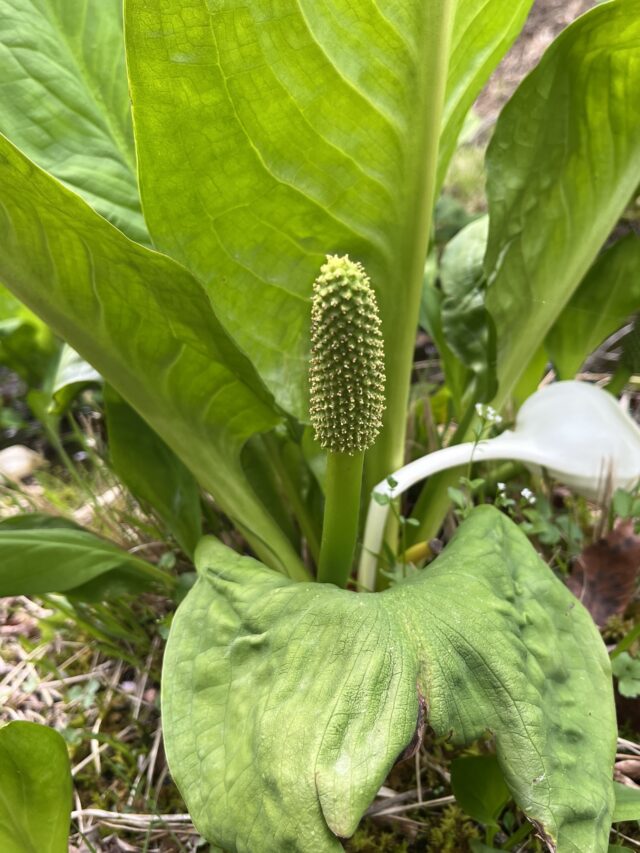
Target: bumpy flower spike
(347, 358)
(347, 400)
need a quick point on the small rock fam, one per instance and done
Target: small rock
(19, 462)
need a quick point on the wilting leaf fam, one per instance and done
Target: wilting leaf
(605, 573)
(285, 705)
(35, 803)
(562, 165)
(64, 99)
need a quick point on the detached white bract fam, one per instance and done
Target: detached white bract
(576, 431)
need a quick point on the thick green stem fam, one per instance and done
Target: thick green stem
(343, 485)
(400, 298)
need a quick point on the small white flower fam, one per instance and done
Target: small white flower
(528, 495)
(488, 414)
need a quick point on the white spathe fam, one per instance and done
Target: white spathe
(579, 433)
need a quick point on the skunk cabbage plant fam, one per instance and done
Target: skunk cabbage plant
(169, 191)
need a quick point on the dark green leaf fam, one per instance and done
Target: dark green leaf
(57, 559)
(562, 166)
(606, 298)
(285, 705)
(35, 797)
(466, 324)
(456, 374)
(479, 787)
(37, 521)
(152, 471)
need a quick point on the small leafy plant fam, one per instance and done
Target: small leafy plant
(168, 217)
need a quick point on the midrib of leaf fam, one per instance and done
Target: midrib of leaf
(400, 300)
(104, 111)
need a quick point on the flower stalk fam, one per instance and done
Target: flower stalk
(346, 400)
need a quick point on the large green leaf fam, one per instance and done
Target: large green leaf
(146, 325)
(609, 294)
(285, 705)
(63, 559)
(152, 471)
(64, 99)
(482, 33)
(562, 165)
(35, 793)
(305, 127)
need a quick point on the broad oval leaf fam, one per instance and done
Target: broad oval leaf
(64, 99)
(285, 705)
(35, 803)
(562, 165)
(147, 326)
(305, 128)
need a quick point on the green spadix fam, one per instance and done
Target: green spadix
(346, 381)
